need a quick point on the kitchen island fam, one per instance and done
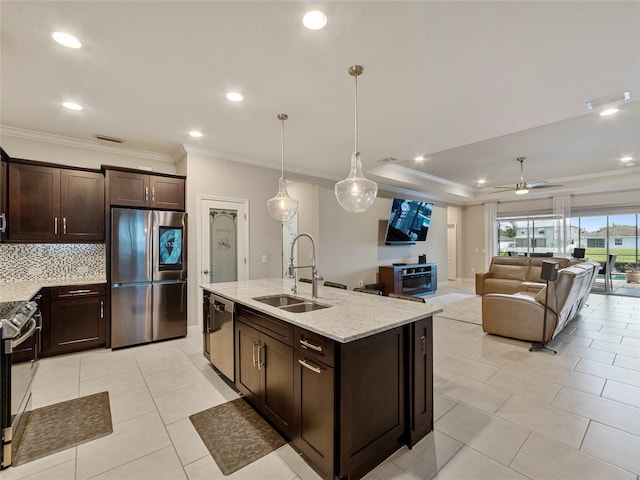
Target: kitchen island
(348, 384)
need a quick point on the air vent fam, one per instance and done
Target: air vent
(388, 160)
(106, 138)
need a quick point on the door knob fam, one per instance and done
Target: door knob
(206, 272)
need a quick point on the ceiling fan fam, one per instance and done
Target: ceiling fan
(523, 187)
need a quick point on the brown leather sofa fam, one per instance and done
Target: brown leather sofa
(515, 274)
(520, 315)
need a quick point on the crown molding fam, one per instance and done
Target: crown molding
(86, 144)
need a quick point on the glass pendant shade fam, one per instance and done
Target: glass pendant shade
(282, 207)
(356, 193)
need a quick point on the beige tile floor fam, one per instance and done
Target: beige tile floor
(501, 412)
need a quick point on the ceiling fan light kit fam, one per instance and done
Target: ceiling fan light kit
(523, 187)
(356, 193)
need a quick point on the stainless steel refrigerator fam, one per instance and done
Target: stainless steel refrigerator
(148, 276)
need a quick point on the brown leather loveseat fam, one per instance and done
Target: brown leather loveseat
(515, 274)
(521, 315)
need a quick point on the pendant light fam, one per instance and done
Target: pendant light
(282, 207)
(356, 193)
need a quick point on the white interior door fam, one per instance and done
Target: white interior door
(452, 256)
(224, 240)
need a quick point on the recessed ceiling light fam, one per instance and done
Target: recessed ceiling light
(72, 106)
(195, 133)
(608, 111)
(419, 158)
(66, 39)
(626, 159)
(481, 181)
(314, 20)
(234, 97)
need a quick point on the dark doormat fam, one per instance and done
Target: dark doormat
(57, 427)
(235, 434)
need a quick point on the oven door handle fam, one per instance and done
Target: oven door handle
(25, 336)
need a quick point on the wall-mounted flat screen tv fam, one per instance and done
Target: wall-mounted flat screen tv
(408, 221)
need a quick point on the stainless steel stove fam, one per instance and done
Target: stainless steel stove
(19, 352)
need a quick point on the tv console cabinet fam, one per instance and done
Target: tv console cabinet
(413, 279)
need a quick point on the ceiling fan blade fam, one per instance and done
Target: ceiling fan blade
(504, 189)
(545, 185)
(537, 184)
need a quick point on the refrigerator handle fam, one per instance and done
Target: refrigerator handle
(152, 220)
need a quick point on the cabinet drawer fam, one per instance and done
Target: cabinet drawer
(70, 291)
(271, 326)
(314, 345)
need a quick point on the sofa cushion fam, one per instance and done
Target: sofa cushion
(511, 270)
(501, 285)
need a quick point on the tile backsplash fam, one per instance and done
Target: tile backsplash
(51, 261)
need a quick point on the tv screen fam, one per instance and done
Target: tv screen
(408, 221)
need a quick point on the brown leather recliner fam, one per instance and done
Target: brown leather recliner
(521, 315)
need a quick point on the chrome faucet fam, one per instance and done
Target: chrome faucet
(315, 278)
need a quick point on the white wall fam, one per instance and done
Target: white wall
(221, 178)
(352, 245)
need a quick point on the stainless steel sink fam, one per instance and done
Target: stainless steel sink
(304, 307)
(280, 300)
(290, 303)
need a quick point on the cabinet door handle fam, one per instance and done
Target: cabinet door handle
(305, 344)
(423, 345)
(253, 354)
(101, 308)
(146, 194)
(260, 363)
(153, 195)
(3, 225)
(55, 225)
(309, 366)
(64, 225)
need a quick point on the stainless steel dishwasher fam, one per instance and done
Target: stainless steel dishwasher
(221, 336)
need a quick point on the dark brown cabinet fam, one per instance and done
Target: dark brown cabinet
(420, 396)
(264, 367)
(314, 399)
(134, 189)
(4, 167)
(48, 204)
(76, 320)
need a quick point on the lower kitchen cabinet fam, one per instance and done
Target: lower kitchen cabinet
(314, 404)
(77, 319)
(264, 372)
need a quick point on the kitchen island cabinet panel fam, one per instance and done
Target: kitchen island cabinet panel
(264, 370)
(372, 401)
(314, 400)
(421, 371)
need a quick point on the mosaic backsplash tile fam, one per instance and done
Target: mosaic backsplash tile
(48, 261)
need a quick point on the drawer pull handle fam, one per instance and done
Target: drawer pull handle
(309, 366)
(305, 344)
(75, 292)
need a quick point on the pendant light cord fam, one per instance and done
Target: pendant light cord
(356, 115)
(282, 117)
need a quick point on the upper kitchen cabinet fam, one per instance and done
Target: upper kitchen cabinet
(130, 188)
(50, 204)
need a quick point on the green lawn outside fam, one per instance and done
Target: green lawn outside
(625, 256)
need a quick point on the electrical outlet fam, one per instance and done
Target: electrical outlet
(361, 283)
(264, 259)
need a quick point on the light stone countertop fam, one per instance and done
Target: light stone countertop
(352, 315)
(14, 294)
